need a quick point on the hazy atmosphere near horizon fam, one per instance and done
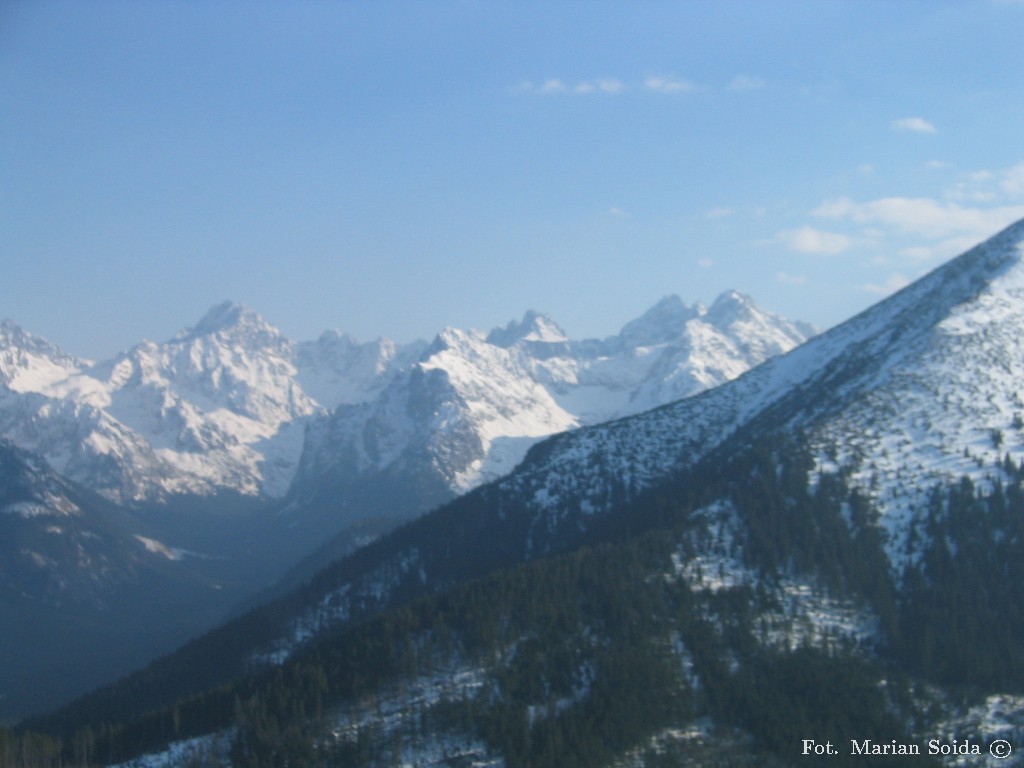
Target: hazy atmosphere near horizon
(393, 168)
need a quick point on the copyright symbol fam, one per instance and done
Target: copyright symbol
(1000, 749)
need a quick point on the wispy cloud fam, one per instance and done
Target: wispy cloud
(913, 125)
(606, 85)
(746, 83)
(922, 216)
(662, 84)
(719, 213)
(554, 85)
(705, 263)
(816, 241)
(609, 85)
(894, 233)
(981, 186)
(1012, 182)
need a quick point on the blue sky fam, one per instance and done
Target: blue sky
(392, 168)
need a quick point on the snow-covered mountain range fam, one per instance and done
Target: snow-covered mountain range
(224, 405)
(852, 508)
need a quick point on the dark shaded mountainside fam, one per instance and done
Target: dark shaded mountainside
(71, 561)
(830, 548)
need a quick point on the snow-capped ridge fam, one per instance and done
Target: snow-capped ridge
(337, 338)
(28, 362)
(729, 306)
(661, 323)
(534, 327)
(235, 322)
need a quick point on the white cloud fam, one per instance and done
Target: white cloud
(719, 213)
(554, 85)
(788, 279)
(892, 284)
(610, 85)
(811, 240)
(705, 263)
(617, 212)
(966, 192)
(913, 124)
(1012, 183)
(988, 186)
(746, 83)
(667, 84)
(936, 165)
(923, 216)
(607, 85)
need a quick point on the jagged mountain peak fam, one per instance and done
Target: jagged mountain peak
(336, 338)
(731, 302)
(10, 331)
(739, 316)
(235, 322)
(451, 338)
(222, 316)
(13, 336)
(534, 327)
(28, 362)
(661, 323)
